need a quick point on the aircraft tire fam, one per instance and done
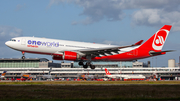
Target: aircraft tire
(92, 66)
(81, 63)
(23, 57)
(85, 66)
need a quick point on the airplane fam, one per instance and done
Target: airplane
(85, 53)
(3, 75)
(28, 76)
(108, 74)
(114, 76)
(88, 76)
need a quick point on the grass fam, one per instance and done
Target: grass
(85, 82)
(90, 90)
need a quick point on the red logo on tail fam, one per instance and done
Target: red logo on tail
(159, 39)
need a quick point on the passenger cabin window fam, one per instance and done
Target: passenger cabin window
(13, 40)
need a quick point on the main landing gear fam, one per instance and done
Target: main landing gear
(86, 65)
(23, 57)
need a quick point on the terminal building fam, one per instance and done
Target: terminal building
(119, 64)
(45, 63)
(42, 66)
(27, 63)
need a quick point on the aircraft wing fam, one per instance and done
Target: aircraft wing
(108, 50)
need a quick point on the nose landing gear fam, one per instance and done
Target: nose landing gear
(23, 57)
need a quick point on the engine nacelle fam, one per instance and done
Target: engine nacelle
(68, 55)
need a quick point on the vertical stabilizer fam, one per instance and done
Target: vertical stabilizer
(4, 73)
(156, 42)
(107, 72)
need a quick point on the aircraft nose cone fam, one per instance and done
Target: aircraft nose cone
(7, 43)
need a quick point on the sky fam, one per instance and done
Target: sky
(116, 22)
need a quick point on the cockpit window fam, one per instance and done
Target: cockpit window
(13, 40)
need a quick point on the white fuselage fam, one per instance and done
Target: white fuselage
(126, 76)
(50, 46)
(45, 45)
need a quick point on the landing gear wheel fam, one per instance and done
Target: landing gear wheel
(92, 66)
(85, 66)
(81, 63)
(23, 57)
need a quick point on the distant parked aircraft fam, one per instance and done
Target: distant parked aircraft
(3, 75)
(129, 76)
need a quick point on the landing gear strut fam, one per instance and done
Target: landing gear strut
(23, 57)
(86, 65)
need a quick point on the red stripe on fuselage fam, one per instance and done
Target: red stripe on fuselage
(127, 56)
(39, 53)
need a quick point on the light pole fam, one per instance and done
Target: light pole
(156, 61)
(152, 63)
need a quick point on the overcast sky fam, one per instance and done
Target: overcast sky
(119, 22)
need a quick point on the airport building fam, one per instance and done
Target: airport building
(27, 63)
(163, 73)
(45, 63)
(42, 66)
(119, 64)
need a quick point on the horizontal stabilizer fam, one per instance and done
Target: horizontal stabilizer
(152, 53)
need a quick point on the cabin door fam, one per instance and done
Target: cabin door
(23, 42)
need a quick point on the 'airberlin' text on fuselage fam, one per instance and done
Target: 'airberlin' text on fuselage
(40, 43)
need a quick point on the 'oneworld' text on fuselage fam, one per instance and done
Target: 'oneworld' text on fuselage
(40, 43)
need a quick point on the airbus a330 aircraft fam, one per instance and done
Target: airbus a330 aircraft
(87, 52)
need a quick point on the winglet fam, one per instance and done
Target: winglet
(139, 42)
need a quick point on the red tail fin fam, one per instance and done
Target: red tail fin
(107, 72)
(157, 41)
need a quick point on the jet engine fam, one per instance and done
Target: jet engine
(68, 55)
